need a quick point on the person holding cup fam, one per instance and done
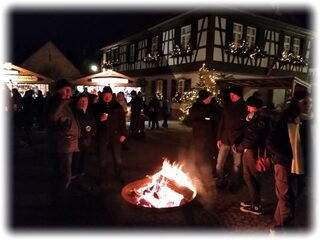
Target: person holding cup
(111, 133)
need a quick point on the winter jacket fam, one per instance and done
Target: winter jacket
(86, 119)
(231, 120)
(63, 128)
(255, 133)
(201, 118)
(115, 126)
(279, 144)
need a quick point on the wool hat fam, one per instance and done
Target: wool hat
(254, 102)
(203, 94)
(236, 90)
(63, 83)
(107, 89)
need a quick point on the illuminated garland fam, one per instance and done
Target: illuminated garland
(152, 57)
(244, 50)
(186, 99)
(180, 51)
(291, 58)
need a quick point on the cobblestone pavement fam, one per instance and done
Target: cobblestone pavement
(94, 206)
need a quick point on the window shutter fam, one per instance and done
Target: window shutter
(187, 85)
(194, 31)
(160, 43)
(136, 51)
(177, 35)
(260, 41)
(153, 86)
(229, 32)
(149, 44)
(173, 88)
(164, 88)
(302, 47)
(128, 53)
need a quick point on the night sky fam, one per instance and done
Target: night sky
(80, 34)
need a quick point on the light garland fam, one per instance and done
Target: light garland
(291, 58)
(152, 57)
(206, 82)
(180, 51)
(244, 50)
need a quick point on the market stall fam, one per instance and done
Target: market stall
(117, 81)
(23, 79)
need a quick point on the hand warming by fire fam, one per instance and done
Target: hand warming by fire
(170, 187)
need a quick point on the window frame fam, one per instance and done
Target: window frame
(185, 35)
(286, 44)
(296, 46)
(253, 37)
(237, 40)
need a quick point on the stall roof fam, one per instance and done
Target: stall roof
(22, 75)
(282, 82)
(109, 76)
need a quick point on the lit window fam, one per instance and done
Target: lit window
(286, 43)
(251, 36)
(237, 32)
(185, 35)
(296, 46)
(154, 44)
(159, 88)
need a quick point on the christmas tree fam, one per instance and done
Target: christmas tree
(206, 81)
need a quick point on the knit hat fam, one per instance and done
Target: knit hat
(254, 102)
(63, 83)
(236, 90)
(107, 89)
(203, 94)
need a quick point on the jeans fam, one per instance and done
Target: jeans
(222, 157)
(115, 149)
(251, 176)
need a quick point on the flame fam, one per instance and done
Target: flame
(160, 193)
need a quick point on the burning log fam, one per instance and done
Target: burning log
(185, 191)
(168, 188)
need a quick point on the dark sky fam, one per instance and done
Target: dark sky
(80, 34)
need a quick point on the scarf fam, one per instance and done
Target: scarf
(297, 165)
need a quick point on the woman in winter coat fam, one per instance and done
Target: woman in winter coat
(88, 127)
(290, 143)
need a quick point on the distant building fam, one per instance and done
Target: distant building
(235, 43)
(50, 61)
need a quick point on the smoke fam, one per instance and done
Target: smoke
(200, 172)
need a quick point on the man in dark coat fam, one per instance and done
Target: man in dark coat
(111, 131)
(63, 132)
(201, 117)
(137, 105)
(253, 142)
(290, 142)
(229, 131)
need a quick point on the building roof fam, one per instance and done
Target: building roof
(105, 78)
(21, 75)
(50, 61)
(280, 82)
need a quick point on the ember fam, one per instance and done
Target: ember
(170, 187)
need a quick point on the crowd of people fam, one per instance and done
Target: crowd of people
(242, 129)
(246, 129)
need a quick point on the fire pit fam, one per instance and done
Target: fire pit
(168, 188)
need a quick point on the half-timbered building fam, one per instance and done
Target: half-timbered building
(166, 58)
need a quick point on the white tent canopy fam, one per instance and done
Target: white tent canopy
(106, 78)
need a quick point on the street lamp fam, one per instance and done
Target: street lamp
(94, 68)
